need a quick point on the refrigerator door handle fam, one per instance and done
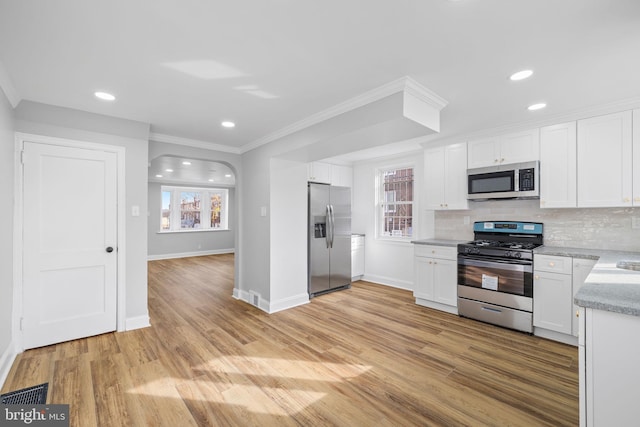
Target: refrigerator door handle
(327, 231)
(333, 224)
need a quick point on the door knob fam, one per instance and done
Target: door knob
(109, 249)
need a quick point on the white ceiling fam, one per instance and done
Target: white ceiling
(186, 66)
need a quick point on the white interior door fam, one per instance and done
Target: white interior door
(69, 243)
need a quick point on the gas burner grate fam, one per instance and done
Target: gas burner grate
(36, 395)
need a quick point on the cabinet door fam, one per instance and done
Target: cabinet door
(455, 176)
(434, 178)
(558, 166)
(604, 161)
(636, 157)
(341, 176)
(445, 279)
(423, 276)
(319, 172)
(552, 301)
(520, 147)
(581, 269)
(483, 152)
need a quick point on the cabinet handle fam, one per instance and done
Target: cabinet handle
(502, 160)
(626, 200)
(636, 199)
(577, 313)
(536, 277)
(495, 160)
(552, 264)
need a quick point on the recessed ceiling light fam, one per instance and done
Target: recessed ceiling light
(105, 96)
(211, 180)
(228, 124)
(521, 75)
(158, 176)
(534, 107)
(168, 170)
(186, 163)
(228, 175)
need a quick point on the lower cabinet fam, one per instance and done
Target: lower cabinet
(609, 374)
(556, 279)
(435, 277)
(357, 257)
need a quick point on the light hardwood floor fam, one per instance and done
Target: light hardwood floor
(367, 356)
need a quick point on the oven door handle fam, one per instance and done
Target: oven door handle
(495, 264)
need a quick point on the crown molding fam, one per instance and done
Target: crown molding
(8, 88)
(177, 140)
(577, 114)
(402, 84)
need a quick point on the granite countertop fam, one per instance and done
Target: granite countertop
(607, 287)
(439, 242)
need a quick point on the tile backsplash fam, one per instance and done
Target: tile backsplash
(597, 228)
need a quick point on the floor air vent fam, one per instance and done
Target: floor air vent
(36, 395)
(254, 298)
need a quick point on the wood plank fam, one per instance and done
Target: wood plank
(364, 356)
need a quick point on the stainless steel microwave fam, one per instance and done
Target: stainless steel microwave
(512, 181)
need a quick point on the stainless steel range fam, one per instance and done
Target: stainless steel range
(495, 273)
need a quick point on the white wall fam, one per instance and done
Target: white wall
(48, 120)
(6, 234)
(164, 245)
(386, 262)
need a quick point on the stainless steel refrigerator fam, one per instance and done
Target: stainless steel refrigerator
(329, 238)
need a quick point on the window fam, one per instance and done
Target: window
(395, 202)
(187, 209)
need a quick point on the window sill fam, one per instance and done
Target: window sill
(394, 240)
(192, 230)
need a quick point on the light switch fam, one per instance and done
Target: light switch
(263, 211)
(135, 210)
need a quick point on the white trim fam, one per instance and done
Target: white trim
(437, 306)
(20, 139)
(401, 84)
(177, 140)
(8, 88)
(388, 281)
(137, 322)
(189, 254)
(6, 361)
(555, 336)
(270, 307)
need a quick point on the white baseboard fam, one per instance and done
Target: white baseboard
(555, 336)
(189, 254)
(290, 302)
(137, 322)
(6, 361)
(388, 281)
(269, 307)
(437, 306)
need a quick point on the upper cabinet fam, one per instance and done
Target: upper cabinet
(605, 174)
(445, 177)
(511, 148)
(326, 173)
(558, 166)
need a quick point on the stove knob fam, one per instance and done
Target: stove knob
(517, 255)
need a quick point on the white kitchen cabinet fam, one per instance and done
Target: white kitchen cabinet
(609, 374)
(636, 157)
(558, 182)
(552, 293)
(436, 276)
(605, 160)
(357, 257)
(516, 147)
(326, 173)
(445, 177)
(319, 172)
(580, 269)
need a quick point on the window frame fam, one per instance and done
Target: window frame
(381, 202)
(205, 193)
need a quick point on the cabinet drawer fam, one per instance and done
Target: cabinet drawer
(444, 252)
(357, 242)
(553, 264)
